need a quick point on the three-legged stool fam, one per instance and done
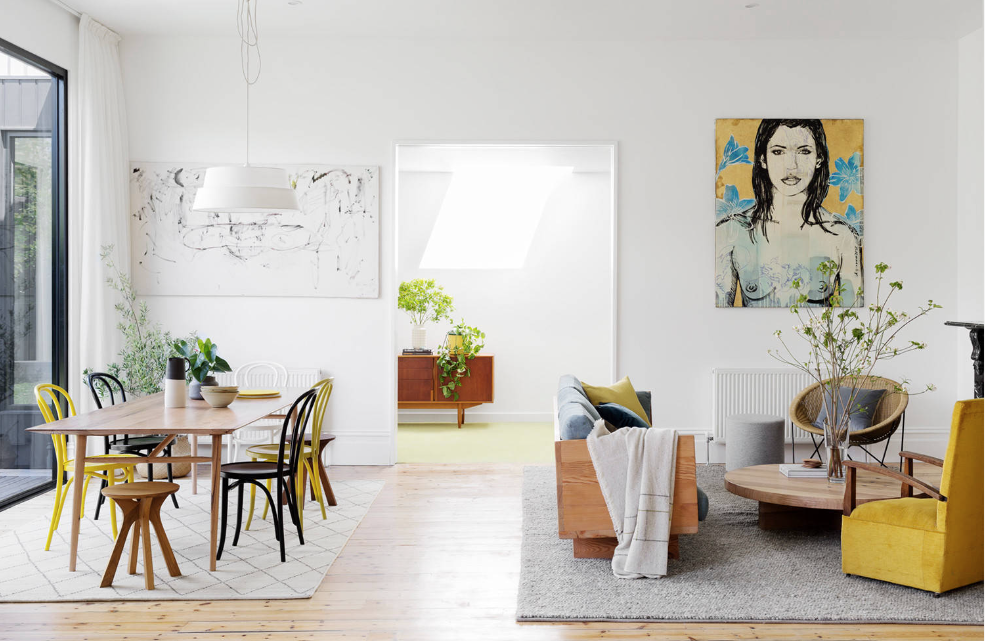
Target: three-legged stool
(141, 504)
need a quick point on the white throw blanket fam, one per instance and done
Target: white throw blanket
(635, 468)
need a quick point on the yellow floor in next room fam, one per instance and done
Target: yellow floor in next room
(531, 443)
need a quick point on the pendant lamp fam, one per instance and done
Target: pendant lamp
(245, 188)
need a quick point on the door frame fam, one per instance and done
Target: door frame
(59, 236)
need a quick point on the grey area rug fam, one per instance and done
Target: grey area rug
(251, 570)
(730, 571)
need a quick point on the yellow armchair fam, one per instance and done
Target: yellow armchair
(932, 543)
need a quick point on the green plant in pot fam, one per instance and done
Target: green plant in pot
(425, 301)
(463, 343)
(203, 359)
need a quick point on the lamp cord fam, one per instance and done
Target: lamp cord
(249, 45)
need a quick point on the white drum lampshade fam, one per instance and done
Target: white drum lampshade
(246, 189)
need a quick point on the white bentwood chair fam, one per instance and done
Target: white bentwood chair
(253, 375)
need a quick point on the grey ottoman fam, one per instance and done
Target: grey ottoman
(753, 439)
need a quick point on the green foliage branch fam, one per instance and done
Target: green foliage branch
(843, 347)
(146, 347)
(424, 300)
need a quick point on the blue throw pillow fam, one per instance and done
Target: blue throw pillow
(620, 416)
(861, 412)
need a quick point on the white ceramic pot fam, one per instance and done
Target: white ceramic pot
(418, 337)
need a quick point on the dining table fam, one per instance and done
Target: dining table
(147, 415)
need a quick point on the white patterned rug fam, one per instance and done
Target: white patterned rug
(251, 570)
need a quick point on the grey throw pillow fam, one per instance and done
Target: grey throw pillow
(860, 413)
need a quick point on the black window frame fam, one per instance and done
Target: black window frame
(59, 237)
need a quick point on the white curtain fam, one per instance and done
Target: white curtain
(102, 218)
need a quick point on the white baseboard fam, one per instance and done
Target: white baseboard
(359, 448)
(472, 416)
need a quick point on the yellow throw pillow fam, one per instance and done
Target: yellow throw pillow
(622, 393)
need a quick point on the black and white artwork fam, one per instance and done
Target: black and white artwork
(330, 248)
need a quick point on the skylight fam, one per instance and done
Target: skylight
(489, 216)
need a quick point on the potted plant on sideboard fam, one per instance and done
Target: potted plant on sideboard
(424, 301)
(454, 356)
(203, 359)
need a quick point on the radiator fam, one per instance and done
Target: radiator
(754, 391)
(301, 377)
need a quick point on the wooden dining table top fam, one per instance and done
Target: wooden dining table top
(147, 415)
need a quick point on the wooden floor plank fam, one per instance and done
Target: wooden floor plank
(397, 580)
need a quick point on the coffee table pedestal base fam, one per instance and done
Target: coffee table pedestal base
(785, 517)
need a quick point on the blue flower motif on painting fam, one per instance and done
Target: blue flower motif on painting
(731, 204)
(733, 154)
(848, 176)
(852, 218)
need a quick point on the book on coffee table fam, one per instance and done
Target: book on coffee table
(798, 471)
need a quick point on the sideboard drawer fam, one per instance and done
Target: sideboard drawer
(415, 374)
(411, 390)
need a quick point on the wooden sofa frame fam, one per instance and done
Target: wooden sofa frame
(581, 511)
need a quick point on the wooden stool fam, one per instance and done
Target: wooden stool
(141, 505)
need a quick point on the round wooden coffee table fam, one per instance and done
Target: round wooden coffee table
(798, 502)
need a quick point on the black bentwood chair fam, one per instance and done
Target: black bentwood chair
(139, 445)
(285, 470)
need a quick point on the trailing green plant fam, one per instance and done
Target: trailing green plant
(146, 347)
(453, 366)
(424, 300)
(203, 358)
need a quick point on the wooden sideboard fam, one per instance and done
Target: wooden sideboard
(418, 386)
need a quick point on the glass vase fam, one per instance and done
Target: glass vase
(836, 443)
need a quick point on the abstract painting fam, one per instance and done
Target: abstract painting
(330, 248)
(788, 195)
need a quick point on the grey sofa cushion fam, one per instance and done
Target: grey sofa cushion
(576, 415)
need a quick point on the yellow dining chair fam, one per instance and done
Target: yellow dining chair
(934, 543)
(48, 396)
(311, 462)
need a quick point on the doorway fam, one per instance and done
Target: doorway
(521, 238)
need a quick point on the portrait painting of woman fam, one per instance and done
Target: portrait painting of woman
(776, 216)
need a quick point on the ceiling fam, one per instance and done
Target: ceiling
(551, 19)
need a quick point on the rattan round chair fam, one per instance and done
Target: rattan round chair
(889, 414)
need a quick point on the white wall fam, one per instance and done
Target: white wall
(970, 213)
(322, 101)
(548, 318)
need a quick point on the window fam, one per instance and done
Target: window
(493, 211)
(33, 272)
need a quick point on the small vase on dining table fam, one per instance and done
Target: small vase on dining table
(195, 388)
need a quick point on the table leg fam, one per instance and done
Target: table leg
(77, 498)
(194, 438)
(216, 465)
